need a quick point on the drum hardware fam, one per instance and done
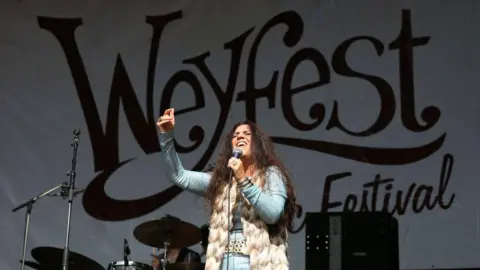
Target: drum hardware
(128, 265)
(126, 251)
(167, 232)
(164, 261)
(188, 265)
(67, 190)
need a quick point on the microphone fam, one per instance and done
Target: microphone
(126, 250)
(237, 153)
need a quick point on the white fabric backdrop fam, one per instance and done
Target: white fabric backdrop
(45, 86)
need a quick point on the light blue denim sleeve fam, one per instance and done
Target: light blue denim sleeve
(270, 202)
(195, 182)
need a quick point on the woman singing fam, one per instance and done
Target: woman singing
(261, 198)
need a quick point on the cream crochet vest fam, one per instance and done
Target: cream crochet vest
(266, 253)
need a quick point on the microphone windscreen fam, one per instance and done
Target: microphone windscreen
(237, 152)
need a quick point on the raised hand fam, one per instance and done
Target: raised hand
(166, 122)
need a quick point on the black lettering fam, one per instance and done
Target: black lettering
(196, 134)
(401, 204)
(386, 197)
(102, 207)
(405, 43)
(326, 204)
(447, 167)
(364, 201)
(385, 91)
(317, 111)
(372, 155)
(350, 203)
(105, 144)
(374, 186)
(419, 202)
(293, 35)
(420, 197)
(105, 152)
(105, 141)
(224, 95)
(298, 215)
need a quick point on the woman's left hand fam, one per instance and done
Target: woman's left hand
(237, 167)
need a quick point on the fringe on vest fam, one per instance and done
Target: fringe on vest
(266, 252)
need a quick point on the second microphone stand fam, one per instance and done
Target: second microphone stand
(65, 189)
(71, 191)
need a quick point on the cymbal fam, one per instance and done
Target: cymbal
(185, 266)
(32, 265)
(51, 258)
(174, 231)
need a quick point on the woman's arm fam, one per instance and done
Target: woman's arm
(268, 203)
(195, 182)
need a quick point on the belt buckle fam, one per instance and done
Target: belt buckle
(236, 246)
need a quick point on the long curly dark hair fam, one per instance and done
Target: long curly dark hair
(263, 155)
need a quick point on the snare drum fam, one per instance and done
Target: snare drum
(131, 265)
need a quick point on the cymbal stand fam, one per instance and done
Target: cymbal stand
(166, 243)
(29, 206)
(164, 260)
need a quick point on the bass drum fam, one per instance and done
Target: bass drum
(131, 265)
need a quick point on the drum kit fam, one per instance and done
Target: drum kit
(163, 234)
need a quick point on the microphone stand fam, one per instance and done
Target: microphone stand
(229, 213)
(236, 154)
(71, 191)
(29, 205)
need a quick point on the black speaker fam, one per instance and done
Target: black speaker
(351, 241)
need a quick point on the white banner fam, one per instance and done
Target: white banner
(372, 105)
